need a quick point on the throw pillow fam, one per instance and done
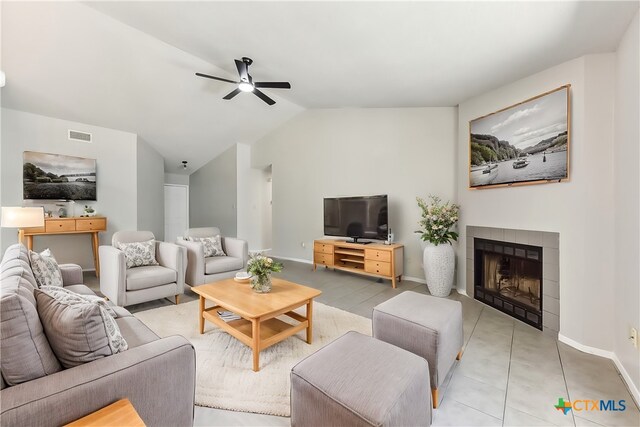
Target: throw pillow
(78, 330)
(138, 254)
(45, 268)
(212, 245)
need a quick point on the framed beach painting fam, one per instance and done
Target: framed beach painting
(526, 143)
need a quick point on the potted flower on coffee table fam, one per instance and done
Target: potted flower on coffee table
(260, 267)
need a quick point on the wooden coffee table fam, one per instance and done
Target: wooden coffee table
(258, 327)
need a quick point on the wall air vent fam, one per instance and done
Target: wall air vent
(76, 135)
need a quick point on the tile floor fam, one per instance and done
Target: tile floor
(510, 374)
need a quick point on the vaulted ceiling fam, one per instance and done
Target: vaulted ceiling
(130, 65)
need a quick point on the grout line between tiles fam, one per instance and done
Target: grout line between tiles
(506, 392)
(564, 377)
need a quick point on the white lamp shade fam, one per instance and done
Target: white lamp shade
(17, 217)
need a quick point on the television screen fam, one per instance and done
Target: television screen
(356, 217)
(54, 176)
(524, 143)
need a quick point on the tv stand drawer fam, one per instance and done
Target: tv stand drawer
(377, 267)
(323, 248)
(322, 258)
(377, 255)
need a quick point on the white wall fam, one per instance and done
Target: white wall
(150, 180)
(321, 153)
(115, 154)
(249, 199)
(626, 201)
(581, 210)
(176, 178)
(213, 194)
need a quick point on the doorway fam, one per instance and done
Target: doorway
(176, 211)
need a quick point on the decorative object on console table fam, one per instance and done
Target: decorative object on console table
(18, 217)
(261, 267)
(438, 256)
(54, 226)
(374, 259)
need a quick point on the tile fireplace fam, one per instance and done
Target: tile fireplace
(508, 277)
(522, 274)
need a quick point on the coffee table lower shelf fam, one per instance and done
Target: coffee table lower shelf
(272, 331)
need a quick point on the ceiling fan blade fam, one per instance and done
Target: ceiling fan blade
(264, 97)
(242, 70)
(215, 78)
(232, 94)
(273, 85)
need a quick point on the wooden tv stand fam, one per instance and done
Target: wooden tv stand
(374, 259)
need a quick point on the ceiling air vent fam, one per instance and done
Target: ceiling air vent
(76, 135)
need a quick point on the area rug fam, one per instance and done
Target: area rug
(224, 378)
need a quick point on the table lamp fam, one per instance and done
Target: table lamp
(21, 218)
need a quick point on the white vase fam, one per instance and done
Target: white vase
(439, 265)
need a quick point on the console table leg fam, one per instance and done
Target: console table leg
(96, 258)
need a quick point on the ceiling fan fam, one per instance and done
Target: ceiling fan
(246, 83)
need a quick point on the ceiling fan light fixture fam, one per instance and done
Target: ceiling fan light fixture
(245, 87)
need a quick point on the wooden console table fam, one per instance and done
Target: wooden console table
(83, 225)
(374, 259)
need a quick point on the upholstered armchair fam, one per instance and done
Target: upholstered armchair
(126, 286)
(201, 270)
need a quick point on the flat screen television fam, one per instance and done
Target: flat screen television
(58, 177)
(362, 217)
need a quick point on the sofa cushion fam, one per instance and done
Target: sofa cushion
(149, 277)
(222, 264)
(212, 245)
(138, 254)
(26, 353)
(45, 268)
(80, 289)
(135, 332)
(79, 331)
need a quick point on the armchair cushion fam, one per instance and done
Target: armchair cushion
(202, 232)
(139, 254)
(222, 264)
(212, 245)
(149, 277)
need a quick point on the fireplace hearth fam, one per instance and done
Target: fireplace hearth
(508, 276)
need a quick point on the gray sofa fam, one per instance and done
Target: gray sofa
(201, 270)
(156, 374)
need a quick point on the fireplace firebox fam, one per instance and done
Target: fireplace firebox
(508, 277)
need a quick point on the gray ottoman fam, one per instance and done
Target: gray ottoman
(428, 326)
(360, 381)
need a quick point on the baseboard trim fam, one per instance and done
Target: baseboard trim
(633, 389)
(286, 258)
(414, 279)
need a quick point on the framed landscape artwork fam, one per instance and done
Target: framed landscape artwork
(523, 144)
(57, 177)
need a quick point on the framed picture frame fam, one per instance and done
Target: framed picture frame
(526, 143)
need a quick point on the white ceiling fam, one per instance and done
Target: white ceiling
(71, 61)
